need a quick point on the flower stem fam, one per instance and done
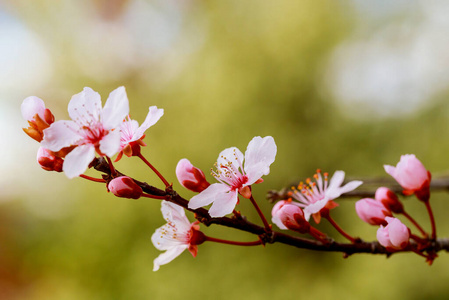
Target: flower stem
(111, 166)
(154, 169)
(415, 223)
(92, 178)
(255, 243)
(432, 219)
(339, 229)
(154, 196)
(264, 220)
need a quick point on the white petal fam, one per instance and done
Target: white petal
(168, 256)
(224, 203)
(208, 195)
(336, 180)
(278, 223)
(61, 134)
(31, 106)
(259, 155)
(350, 186)
(175, 214)
(153, 116)
(85, 107)
(110, 143)
(314, 208)
(77, 161)
(116, 108)
(233, 155)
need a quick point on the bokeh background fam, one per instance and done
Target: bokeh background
(340, 85)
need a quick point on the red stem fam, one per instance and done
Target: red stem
(339, 229)
(264, 220)
(432, 220)
(415, 223)
(154, 169)
(111, 166)
(255, 243)
(92, 178)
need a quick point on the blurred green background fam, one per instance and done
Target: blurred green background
(340, 85)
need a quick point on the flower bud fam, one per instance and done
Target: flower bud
(411, 174)
(389, 199)
(289, 216)
(38, 117)
(125, 187)
(191, 177)
(48, 161)
(395, 235)
(372, 212)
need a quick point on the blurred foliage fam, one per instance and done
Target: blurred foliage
(254, 70)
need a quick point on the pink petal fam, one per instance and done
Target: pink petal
(224, 203)
(153, 116)
(61, 134)
(85, 107)
(259, 155)
(116, 109)
(314, 208)
(77, 161)
(32, 106)
(207, 196)
(110, 143)
(233, 155)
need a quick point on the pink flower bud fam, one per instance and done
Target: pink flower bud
(389, 199)
(48, 161)
(125, 187)
(411, 174)
(289, 216)
(395, 235)
(191, 177)
(372, 212)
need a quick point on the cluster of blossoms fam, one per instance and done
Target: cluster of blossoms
(71, 146)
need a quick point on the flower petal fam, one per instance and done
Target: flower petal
(233, 155)
(259, 155)
(224, 203)
(153, 116)
(85, 107)
(32, 106)
(168, 256)
(77, 161)
(110, 143)
(61, 134)
(314, 208)
(116, 109)
(207, 196)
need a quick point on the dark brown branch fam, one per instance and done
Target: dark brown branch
(239, 222)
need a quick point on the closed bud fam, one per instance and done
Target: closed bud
(389, 199)
(191, 177)
(393, 236)
(289, 216)
(48, 161)
(372, 212)
(125, 187)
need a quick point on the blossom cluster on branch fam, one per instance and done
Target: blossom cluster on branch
(96, 133)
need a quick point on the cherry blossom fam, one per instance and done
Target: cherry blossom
(175, 236)
(92, 129)
(191, 177)
(314, 196)
(38, 116)
(389, 199)
(125, 187)
(235, 178)
(372, 211)
(48, 160)
(289, 216)
(395, 235)
(411, 174)
(132, 135)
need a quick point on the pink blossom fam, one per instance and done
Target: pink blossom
(175, 236)
(132, 135)
(92, 129)
(314, 196)
(191, 177)
(125, 187)
(48, 160)
(395, 235)
(234, 177)
(389, 199)
(372, 212)
(287, 215)
(38, 117)
(411, 174)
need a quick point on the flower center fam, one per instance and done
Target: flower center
(311, 192)
(230, 172)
